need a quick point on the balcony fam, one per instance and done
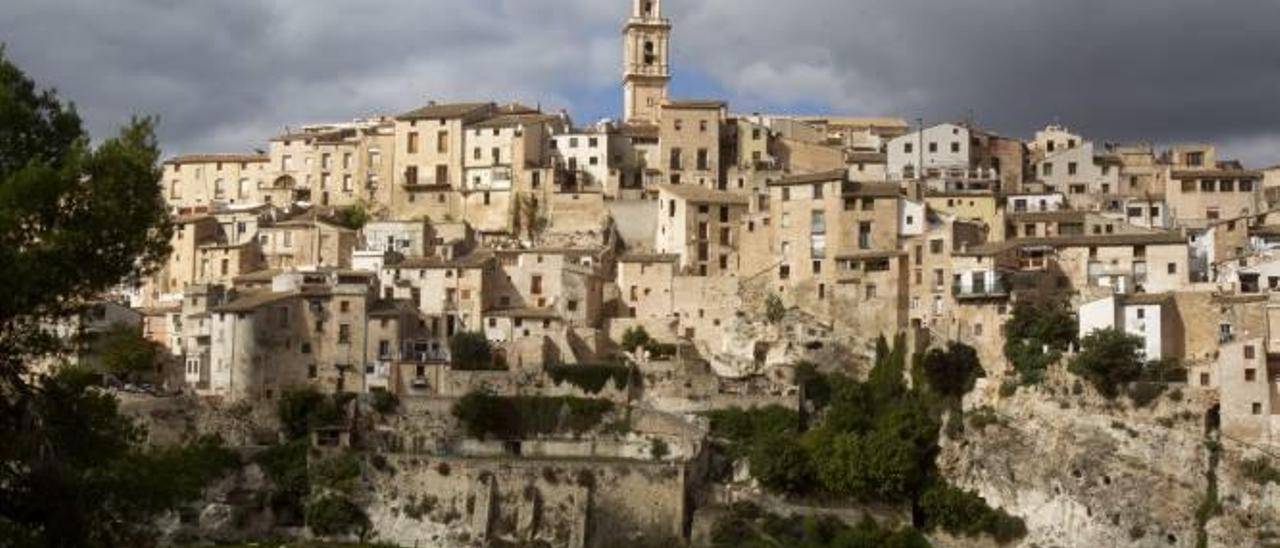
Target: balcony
(419, 182)
(980, 285)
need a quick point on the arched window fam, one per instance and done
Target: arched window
(649, 56)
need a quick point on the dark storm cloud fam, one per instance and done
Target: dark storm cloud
(226, 74)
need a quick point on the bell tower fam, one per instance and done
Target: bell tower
(646, 70)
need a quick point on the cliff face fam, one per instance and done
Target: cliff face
(1104, 476)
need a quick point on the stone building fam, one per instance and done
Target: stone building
(646, 62)
(689, 140)
(199, 182)
(701, 227)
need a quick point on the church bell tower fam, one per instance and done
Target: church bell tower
(646, 71)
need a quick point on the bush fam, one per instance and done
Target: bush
(658, 449)
(1143, 393)
(471, 351)
(337, 473)
(774, 310)
(952, 372)
(591, 378)
(747, 526)
(304, 408)
(384, 402)
(815, 386)
(286, 466)
(965, 513)
(781, 464)
(1109, 359)
(124, 352)
(354, 217)
(485, 415)
(635, 337)
(1032, 327)
(337, 515)
(1260, 471)
(740, 427)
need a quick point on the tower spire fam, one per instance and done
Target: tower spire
(646, 70)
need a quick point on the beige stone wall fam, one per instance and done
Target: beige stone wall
(1193, 206)
(200, 184)
(805, 157)
(293, 245)
(647, 289)
(691, 132)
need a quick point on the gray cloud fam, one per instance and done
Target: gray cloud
(225, 75)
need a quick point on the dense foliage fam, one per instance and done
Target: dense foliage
(471, 351)
(1109, 359)
(747, 526)
(774, 310)
(875, 441)
(952, 372)
(637, 337)
(1261, 471)
(1036, 335)
(125, 353)
(591, 378)
(286, 466)
(304, 408)
(510, 418)
(337, 515)
(75, 222)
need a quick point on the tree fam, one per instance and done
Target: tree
(781, 463)
(124, 352)
(1036, 334)
(954, 371)
(635, 337)
(471, 351)
(75, 221)
(774, 310)
(1109, 359)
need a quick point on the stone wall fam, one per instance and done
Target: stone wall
(449, 502)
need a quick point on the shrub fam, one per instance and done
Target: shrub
(658, 449)
(774, 310)
(337, 473)
(384, 402)
(816, 386)
(591, 378)
(303, 408)
(635, 337)
(781, 464)
(1260, 471)
(739, 427)
(286, 466)
(952, 372)
(660, 351)
(1109, 359)
(337, 515)
(1143, 393)
(354, 217)
(1033, 327)
(965, 513)
(485, 415)
(471, 351)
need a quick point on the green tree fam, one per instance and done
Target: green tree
(635, 337)
(952, 372)
(780, 463)
(1109, 359)
(1036, 334)
(75, 222)
(124, 352)
(774, 310)
(471, 351)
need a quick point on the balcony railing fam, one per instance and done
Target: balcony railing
(418, 181)
(993, 285)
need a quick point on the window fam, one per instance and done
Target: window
(411, 146)
(675, 159)
(344, 334)
(784, 272)
(1249, 352)
(1246, 186)
(535, 285)
(1046, 170)
(703, 159)
(1173, 268)
(935, 247)
(1204, 379)
(871, 291)
(786, 193)
(817, 191)
(702, 126)
(573, 305)
(724, 214)
(955, 147)
(864, 235)
(305, 348)
(1195, 158)
(906, 148)
(1206, 185)
(593, 142)
(1072, 168)
(933, 147)
(344, 306)
(442, 142)
(1227, 185)
(311, 371)
(868, 204)
(1257, 408)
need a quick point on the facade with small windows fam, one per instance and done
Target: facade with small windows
(309, 328)
(565, 282)
(935, 150)
(689, 142)
(646, 71)
(646, 283)
(306, 242)
(701, 227)
(1089, 180)
(202, 181)
(451, 294)
(1153, 318)
(429, 155)
(1197, 198)
(591, 160)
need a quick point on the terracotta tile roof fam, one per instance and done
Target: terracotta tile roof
(216, 158)
(535, 313)
(445, 111)
(250, 301)
(478, 259)
(810, 178)
(697, 194)
(1047, 217)
(1216, 173)
(512, 120)
(1099, 240)
(867, 157)
(694, 104)
(1145, 298)
(876, 190)
(872, 254)
(649, 258)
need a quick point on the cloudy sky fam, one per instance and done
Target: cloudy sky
(225, 75)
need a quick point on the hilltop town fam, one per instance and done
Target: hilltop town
(536, 330)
